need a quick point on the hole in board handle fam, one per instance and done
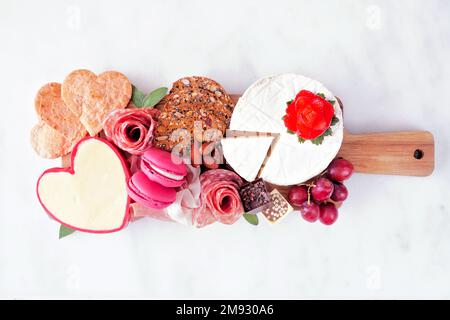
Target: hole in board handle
(418, 154)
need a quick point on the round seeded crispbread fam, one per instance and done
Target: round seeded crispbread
(203, 84)
(206, 104)
(93, 97)
(182, 109)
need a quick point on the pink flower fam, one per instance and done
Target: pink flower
(131, 130)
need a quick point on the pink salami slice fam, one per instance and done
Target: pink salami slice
(132, 130)
(220, 198)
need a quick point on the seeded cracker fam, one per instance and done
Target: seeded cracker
(206, 85)
(187, 103)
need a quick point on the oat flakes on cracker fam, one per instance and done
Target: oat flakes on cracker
(93, 97)
(203, 99)
(211, 87)
(192, 99)
(185, 115)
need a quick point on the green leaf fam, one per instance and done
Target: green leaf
(318, 141)
(289, 102)
(154, 97)
(301, 140)
(65, 231)
(137, 97)
(334, 121)
(321, 95)
(283, 117)
(290, 131)
(251, 218)
(329, 132)
(332, 102)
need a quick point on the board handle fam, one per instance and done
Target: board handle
(408, 153)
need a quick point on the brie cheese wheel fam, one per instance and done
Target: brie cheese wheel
(261, 109)
(246, 165)
(90, 196)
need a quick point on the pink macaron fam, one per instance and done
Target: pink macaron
(149, 193)
(163, 167)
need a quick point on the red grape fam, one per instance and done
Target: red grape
(309, 211)
(328, 214)
(340, 170)
(298, 195)
(322, 190)
(340, 192)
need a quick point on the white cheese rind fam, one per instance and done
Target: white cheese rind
(246, 154)
(261, 109)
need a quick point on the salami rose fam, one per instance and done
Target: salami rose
(219, 197)
(131, 129)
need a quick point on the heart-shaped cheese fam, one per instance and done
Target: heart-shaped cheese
(91, 195)
(93, 97)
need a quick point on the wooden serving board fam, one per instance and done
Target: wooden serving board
(408, 153)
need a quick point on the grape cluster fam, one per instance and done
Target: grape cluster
(317, 200)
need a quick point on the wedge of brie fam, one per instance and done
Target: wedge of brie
(246, 154)
(261, 109)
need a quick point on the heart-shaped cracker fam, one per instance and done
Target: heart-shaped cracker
(93, 97)
(91, 195)
(49, 143)
(55, 113)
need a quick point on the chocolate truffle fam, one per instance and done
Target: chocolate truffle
(254, 196)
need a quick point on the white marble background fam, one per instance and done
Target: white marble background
(388, 60)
